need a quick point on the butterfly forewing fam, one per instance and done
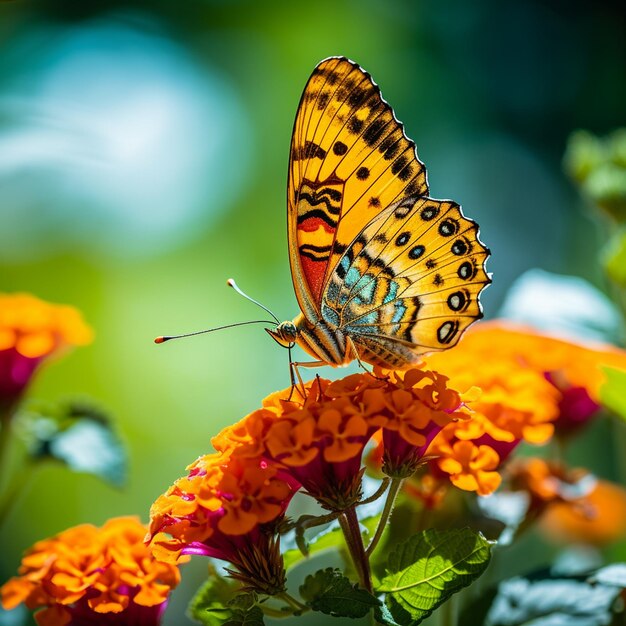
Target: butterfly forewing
(395, 272)
(350, 159)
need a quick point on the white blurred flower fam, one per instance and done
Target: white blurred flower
(113, 139)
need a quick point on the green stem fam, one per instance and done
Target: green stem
(394, 488)
(352, 533)
(379, 492)
(303, 523)
(292, 602)
(270, 612)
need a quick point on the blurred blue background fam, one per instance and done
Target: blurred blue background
(143, 161)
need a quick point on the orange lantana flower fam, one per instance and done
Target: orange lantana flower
(30, 331)
(574, 370)
(471, 467)
(319, 440)
(227, 508)
(93, 575)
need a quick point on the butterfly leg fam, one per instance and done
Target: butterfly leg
(358, 360)
(295, 365)
(352, 345)
(294, 374)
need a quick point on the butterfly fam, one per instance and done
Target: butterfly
(382, 272)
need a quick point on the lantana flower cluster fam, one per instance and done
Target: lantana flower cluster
(32, 330)
(501, 386)
(230, 504)
(531, 387)
(85, 572)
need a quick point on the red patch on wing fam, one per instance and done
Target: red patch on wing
(314, 272)
(313, 223)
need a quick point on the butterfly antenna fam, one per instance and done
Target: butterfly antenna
(164, 338)
(231, 283)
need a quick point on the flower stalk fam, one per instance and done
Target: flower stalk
(394, 488)
(352, 533)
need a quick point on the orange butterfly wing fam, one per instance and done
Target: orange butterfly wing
(349, 160)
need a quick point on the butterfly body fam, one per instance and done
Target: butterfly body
(382, 272)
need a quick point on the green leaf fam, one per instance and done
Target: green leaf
(325, 540)
(613, 392)
(209, 606)
(330, 592)
(219, 603)
(428, 568)
(79, 435)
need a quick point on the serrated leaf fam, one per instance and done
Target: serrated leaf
(79, 435)
(249, 617)
(219, 602)
(209, 606)
(330, 592)
(611, 575)
(428, 568)
(613, 392)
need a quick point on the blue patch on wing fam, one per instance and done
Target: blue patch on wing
(329, 315)
(392, 293)
(366, 295)
(369, 319)
(352, 277)
(399, 311)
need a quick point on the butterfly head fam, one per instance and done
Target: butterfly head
(284, 334)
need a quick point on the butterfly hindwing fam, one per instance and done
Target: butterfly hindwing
(349, 161)
(409, 283)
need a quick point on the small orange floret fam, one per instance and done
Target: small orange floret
(35, 328)
(86, 568)
(471, 467)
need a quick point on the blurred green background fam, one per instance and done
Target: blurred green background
(143, 160)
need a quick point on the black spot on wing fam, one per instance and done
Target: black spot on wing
(399, 164)
(355, 125)
(340, 148)
(374, 132)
